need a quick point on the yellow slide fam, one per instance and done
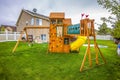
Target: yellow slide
(78, 43)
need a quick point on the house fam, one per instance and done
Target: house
(8, 28)
(33, 19)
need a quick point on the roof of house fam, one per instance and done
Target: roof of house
(57, 15)
(34, 14)
(13, 27)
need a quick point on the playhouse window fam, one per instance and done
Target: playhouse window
(59, 31)
(66, 41)
(59, 21)
(89, 25)
(53, 21)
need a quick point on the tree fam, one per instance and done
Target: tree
(103, 29)
(113, 6)
(116, 30)
(2, 29)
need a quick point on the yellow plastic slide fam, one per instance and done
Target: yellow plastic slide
(78, 43)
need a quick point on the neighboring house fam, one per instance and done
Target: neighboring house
(8, 28)
(33, 19)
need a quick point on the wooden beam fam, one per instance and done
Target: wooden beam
(26, 34)
(36, 27)
(17, 42)
(102, 55)
(84, 59)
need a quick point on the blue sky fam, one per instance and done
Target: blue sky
(10, 9)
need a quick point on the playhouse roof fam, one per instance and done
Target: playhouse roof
(57, 15)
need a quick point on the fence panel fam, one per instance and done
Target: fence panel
(9, 36)
(104, 37)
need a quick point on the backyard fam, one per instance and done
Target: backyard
(34, 63)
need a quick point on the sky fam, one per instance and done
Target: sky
(10, 9)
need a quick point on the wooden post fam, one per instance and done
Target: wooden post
(17, 42)
(6, 33)
(96, 51)
(102, 55)
(84, 59)
(26, 34)
(15, 35)
(89, 53)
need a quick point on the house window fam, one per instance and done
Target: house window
(32, 21)
(43, 36)
(38, 21)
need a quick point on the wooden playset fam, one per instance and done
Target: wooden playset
(62, 36)
(62, 33)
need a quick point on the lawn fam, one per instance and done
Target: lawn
(34, 63)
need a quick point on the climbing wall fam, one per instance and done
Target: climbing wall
(58, 41)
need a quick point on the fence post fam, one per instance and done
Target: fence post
(15, 36)
(6, 33)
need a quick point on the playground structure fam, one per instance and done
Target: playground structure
(62, 33)
(62, 36)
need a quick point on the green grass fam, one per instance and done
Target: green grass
(33, 63)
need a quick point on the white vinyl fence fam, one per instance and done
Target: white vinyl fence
(13, 36)
(9, 36)
(103, 37)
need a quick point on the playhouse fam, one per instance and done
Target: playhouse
(63, 34)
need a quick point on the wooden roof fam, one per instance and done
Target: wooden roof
(57, 15)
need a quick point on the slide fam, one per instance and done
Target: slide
(78, 43)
